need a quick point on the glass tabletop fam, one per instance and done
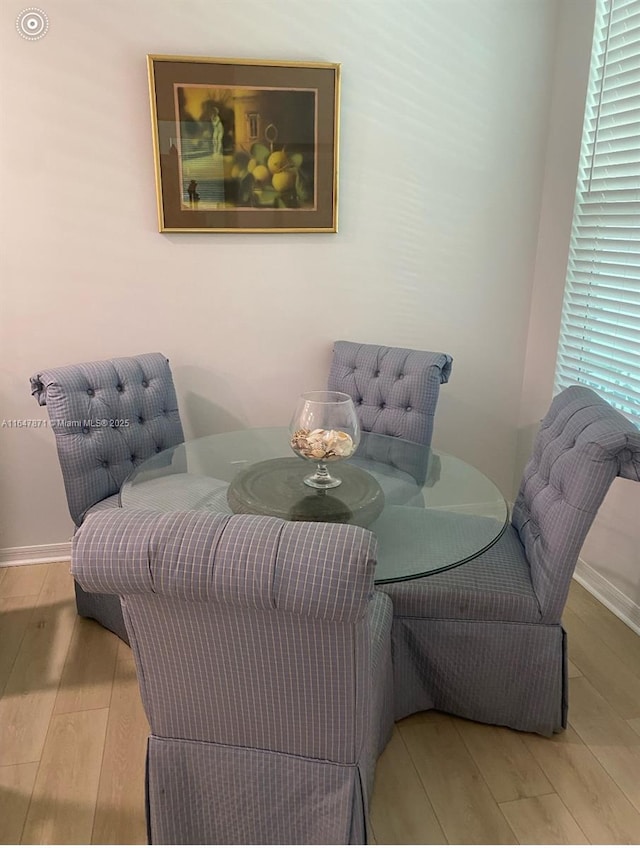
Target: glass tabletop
(430, 511)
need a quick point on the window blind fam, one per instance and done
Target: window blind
(600, 331)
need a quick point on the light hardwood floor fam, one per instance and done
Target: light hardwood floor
(73, 736)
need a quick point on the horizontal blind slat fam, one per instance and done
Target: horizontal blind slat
(621, 22)
(624, 63)
(624, 285)
(623, 161)
(609, 208)
(620, 290)
(594, 235)
(619, 381)
(621, 130)
(607, 120)
(627, 404)
(620, 339)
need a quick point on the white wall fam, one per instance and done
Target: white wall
(610, 559)
(443, 131)
(569, 86)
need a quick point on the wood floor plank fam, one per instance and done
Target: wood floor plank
(31, 688)
(634, 723)
(88, 671)
(573, 670)
(507, 765)
(612, 676)
(125, 654)
(613, 631)
(122, 778)
(454, 782)
(608, 737)
(401, 813)
(617, 635)
(15, 613)
(543, 820)
(602, 811)
(64, 796)
(16, 786)
(21, 580)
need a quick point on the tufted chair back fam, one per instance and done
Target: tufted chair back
(395, 389)
(107, 417)
(252, 641)
(583, 443)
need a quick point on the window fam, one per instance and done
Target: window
(252, 124)
(600, 333)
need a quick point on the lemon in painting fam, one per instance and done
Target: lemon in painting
(284, 180)
(261, 173)
(277, 161)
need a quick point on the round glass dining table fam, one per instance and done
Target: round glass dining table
(430, 511)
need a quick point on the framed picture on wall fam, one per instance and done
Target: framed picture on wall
(245, 146)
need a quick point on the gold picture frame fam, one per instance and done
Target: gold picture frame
(245, 145)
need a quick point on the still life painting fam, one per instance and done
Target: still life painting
(244, 145)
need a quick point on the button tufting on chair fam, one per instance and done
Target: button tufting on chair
(376, 386)
(90, 392)
(145, 384)
(424, 372)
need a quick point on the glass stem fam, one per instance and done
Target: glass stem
(321, 479)
(321, 472)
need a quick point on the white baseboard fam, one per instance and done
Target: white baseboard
(608, 594)
(33, 554)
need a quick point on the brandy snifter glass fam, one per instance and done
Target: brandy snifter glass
(324, 429)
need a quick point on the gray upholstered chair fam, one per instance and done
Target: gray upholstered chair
(395, 391)
(107, 417)
(485, 640)
(264, 663)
